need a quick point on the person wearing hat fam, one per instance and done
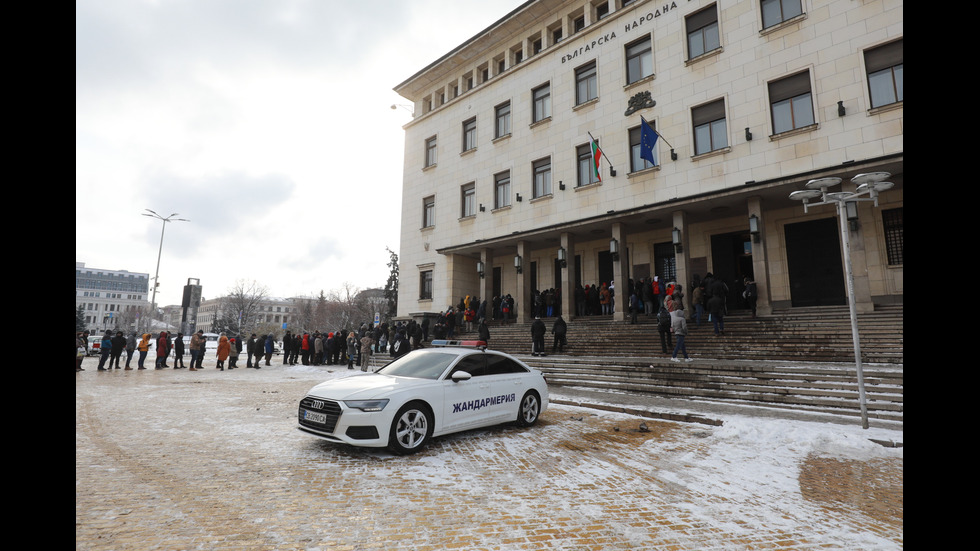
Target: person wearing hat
(179, 351)
(537, 337)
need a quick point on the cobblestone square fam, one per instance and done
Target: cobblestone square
(178, 460)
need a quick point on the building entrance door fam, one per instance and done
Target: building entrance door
(813, 258)
(731, 258)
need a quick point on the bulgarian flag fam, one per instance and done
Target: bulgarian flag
(596, 155)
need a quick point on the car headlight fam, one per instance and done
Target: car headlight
(367, 405)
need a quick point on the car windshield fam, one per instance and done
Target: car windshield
(421, 365)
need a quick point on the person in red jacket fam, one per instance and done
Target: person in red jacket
(161, 349)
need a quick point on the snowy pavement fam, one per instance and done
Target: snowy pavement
(173, 459)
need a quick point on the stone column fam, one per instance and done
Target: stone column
(760, 260)
(681, 258)
(523, 297)
(567, 285)
(621, 273)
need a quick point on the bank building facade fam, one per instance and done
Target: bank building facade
(575, 143)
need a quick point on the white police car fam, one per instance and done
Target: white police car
(450, 387)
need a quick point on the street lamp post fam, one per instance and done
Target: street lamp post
(868, 187)
(156, 278)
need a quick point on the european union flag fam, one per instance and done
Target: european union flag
(648, 139)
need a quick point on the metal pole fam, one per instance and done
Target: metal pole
(156, 278)
(845, 239)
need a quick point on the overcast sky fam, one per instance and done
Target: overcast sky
(266, 123)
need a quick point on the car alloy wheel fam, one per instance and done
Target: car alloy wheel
(527, 415)
(410, 430)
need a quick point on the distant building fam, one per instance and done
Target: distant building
(751, 98)
(112, 299)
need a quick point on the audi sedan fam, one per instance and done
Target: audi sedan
(451, 387)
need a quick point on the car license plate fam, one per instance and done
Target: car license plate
(315, 417)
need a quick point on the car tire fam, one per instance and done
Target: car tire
(411, 429)
(529, 409)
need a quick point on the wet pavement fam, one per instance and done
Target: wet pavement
(177, 460)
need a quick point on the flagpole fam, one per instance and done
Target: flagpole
(606, 157)
(655, 132)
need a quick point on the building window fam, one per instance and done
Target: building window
(501, 115)
(586, 172)
(542, 102)
(500, 66)
(792, 105)
(702, 32)
(578, 23)
(639, 60)
(586, 84)
(425, 285)
(469, 134)
(601, 11)
(885, 66)
(501, 190)
(468, 200)
(429, 212)
(518, 56)
(542, 177)
(556, 36)
(637, 162)
(893, 221)
(430, 151)
(536, 46)
(710, 129)
(775, 12)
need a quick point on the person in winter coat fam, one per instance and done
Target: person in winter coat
(537, 337)
(305, 349)
(202, 348)
(366, 342)
(224, 348)
(679, 326)
(697, 300)
(663, 327)
(270, 347)
(559, 329)
(605, 299)
(484, 331)
(179, 351)
(751, 294)
(118, 345)
(233, 351)
(716, 309)
(351, 349)
(161, 345)
(143, 348)
(130, 348)
(195, 349)
(250, 350)
(105, 351)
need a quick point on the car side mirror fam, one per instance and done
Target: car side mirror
(459, 376)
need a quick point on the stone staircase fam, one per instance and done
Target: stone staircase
(800, 359)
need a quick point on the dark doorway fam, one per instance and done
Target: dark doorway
(664, 262)
(813, 258)
(496, 281)
(731, 258)
(557, 274)
(605, 268)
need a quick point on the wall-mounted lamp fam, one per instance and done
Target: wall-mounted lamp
(612, 171)
(676, 238)
(519, 198)
(673, 156)
(561, 257)
(614, 248)
(748, 135)
(479, 268)
(754, 228)
(840, 108)
(482, 208)
(852, 214)
(561, 186)
(518, 263)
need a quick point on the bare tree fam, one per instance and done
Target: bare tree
(243, 302)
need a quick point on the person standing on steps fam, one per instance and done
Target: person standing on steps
(679, 326)
(537, 337)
